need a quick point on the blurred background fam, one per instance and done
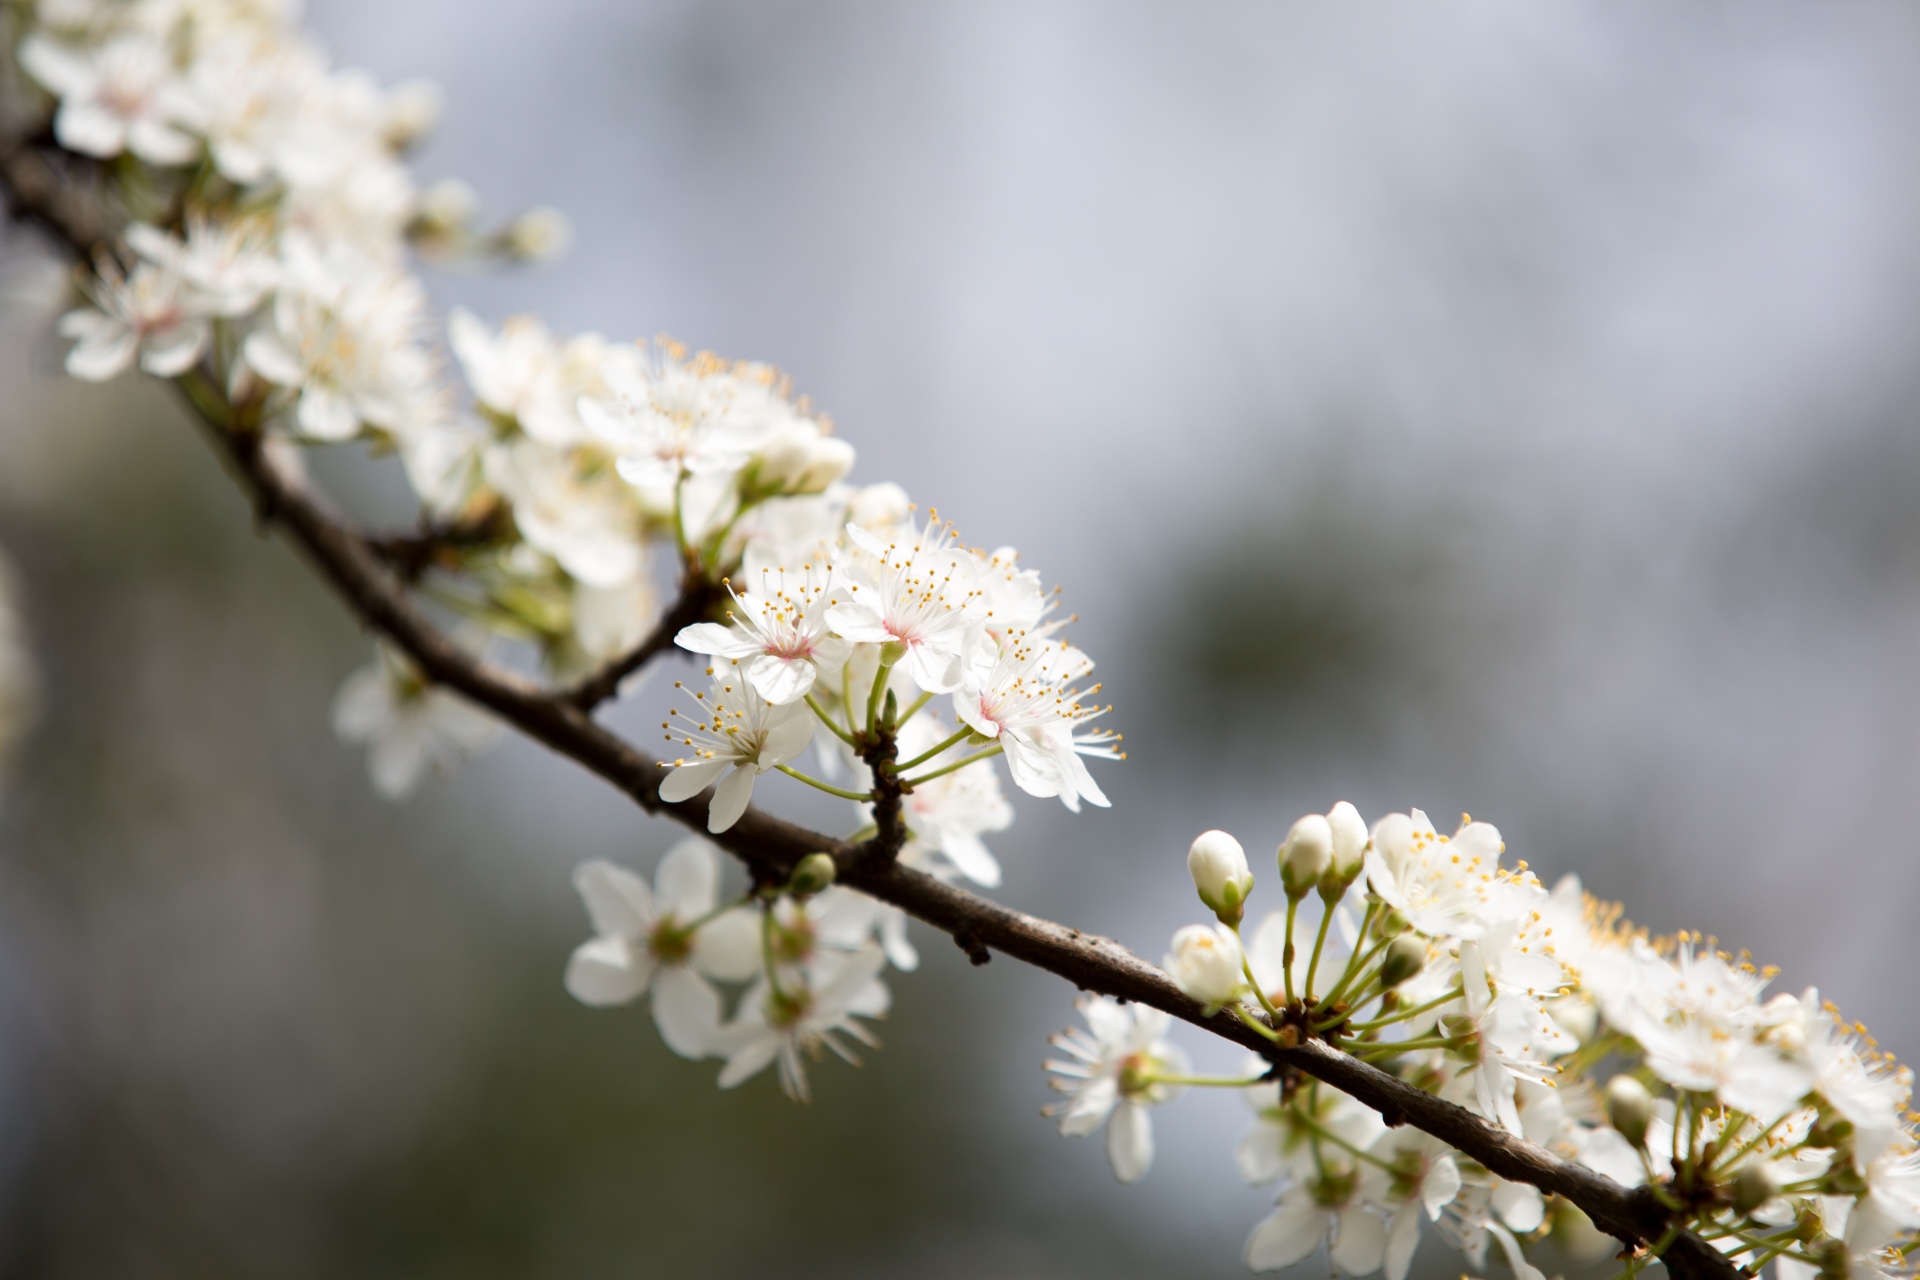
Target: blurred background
(1491, 406)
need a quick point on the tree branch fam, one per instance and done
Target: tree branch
(770, 846)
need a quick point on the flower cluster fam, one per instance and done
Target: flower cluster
(264, 267)
(1767, 1126)
(811, 953)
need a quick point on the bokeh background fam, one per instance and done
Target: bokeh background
(1496, 407)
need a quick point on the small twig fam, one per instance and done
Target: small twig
(697, 599)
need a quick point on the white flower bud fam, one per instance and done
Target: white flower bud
(1349, 841)
(446, 207)
(538, 234)
(1308, 850)
(1205, 963)
(1629, 1108)
(1218, 866)
(878, 506)
(413, 109)
(799, 460)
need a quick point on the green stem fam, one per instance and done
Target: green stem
(1404, 1014)
(914, 709)
(1393, 1047)
(1246, 967)
(943, 770)
(880, 674)
(1240, 1012)
(864, 797)
(1320, 1130)
(1319, 941)
(827, 720)
(1355, 967)
(679, 520)
(1207, 1082)
(925, 756)
(1286, 952)
(717, 912)
(1728, 1161)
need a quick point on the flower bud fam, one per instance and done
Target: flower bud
(1218, 866)
(1406, 956)
(1629, 1108)
(1753, 1186)
(799, 460)
(1349, 842)
(537, 234)
(1391, 924)
(413, 109)
(1308, 850)
(813, 873)
(1205, 962)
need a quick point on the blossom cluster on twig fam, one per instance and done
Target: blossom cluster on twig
(587, 506)
(1768, 1127)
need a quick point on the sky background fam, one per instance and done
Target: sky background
(1487, 407)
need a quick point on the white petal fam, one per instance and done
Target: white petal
(1090, 1107)
(326, 415)
(685, 781)
(618, 901)
(787, 736)
(90, 129)
(687, 880)
(1359, 1241)
(1519, 1205)
(1292, 1232)
(1130, 1143)
(712, 638)
(730, 799)
(781, 680)
(686, 1008)
(750, 1059)
(727, 947)
(605, 971)
(270, 358)
(96, 359)
(1403, 1237)
(172, 353)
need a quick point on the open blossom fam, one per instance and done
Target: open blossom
(523, 373)
(788, 1024)
(1113, 1072)
(124, 95)
(409, 726)
(227, 266)
(680, 417)
(777, 634)
(666, 940)
(911, 596)
(736, 736)
(342, 337)
(148, 314)
(1026, 702)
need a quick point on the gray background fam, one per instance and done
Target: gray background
(1490, 407)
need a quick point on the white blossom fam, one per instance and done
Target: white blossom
(1111, 1076)
(736, 735)
(409, 725)
(667, 940)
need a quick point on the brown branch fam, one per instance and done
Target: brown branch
(699, 597)
(770, 846)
